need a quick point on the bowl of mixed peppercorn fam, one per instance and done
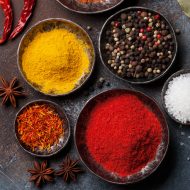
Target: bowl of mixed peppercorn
(138, 45)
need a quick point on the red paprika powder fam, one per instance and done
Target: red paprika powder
(123, 134)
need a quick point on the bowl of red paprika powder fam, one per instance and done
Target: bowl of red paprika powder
(121, 136)
(42, 128)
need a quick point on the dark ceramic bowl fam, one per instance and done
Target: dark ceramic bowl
(90, 8)
(50, 24)
(102, 43)
(80, 142)
(165, 88)
(63, 142)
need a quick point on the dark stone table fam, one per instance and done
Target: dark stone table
(173, 174)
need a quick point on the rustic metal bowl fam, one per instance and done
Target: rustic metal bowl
(102, 43)
(80, 142)
(66, 127)
(90, 8)
(47, 25)
(165, 88)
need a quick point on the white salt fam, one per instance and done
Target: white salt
(182, 133)
(177, 98)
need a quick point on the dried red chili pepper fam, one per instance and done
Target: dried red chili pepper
(25, 15)
(6, 6)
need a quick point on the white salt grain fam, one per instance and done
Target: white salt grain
(182, 133)
(177, 98)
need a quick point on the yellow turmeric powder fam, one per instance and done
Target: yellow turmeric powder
(56, 61)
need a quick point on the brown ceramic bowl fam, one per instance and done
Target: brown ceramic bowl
(80, 130)
(165, 88)
(51, 24)
(102, 42)
(63, 141)
(90, 8)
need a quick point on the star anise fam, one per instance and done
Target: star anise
(41, 173)
(9, 91)
(69, 169)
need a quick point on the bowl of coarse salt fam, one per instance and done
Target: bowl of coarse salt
(176, 96)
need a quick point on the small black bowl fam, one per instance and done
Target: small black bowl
(165, 88)
(86, 158)
(102, 42)
(66, 127)
(90, 8)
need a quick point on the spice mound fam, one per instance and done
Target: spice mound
(123, 136)
(177, 98)
(138, 45)
(56, 61)
(40, 128)
(93, 1)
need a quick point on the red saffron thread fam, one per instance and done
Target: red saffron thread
(39, 126)
(123, 135)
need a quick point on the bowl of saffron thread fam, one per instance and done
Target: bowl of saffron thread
(101, 136)
(42, 128)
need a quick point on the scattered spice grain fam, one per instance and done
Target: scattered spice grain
(177, 31)
(89, 28)
(182, 133)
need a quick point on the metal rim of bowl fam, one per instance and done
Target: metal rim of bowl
(166, 146)
(165, 88)
(92, 63)
(68, 126)
(129, 9)
(93, 12)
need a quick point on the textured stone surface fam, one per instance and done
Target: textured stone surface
(173, 173)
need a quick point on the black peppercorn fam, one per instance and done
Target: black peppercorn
(139, 44)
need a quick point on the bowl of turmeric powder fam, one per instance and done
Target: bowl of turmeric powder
(56, 57)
